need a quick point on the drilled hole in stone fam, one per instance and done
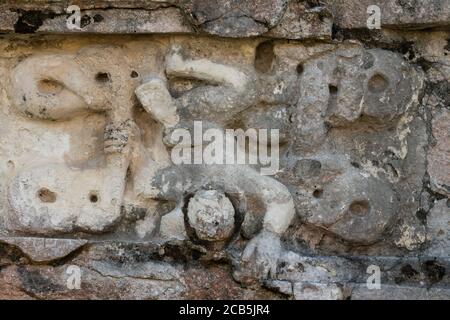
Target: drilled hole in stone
(317, 193)
(46, 195)
(300, 68)
(333, 89)
(48, 86)
(102, 77)
(359, 208)
(93, 197)
(378, 83)
(134, 74)
(433, 271)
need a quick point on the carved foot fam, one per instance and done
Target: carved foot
(259, 259)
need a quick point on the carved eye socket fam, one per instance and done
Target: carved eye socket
(264, 56)
(47, 86)
(378, 83)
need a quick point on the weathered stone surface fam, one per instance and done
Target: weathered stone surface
(225, 18)
(439, 155)
(45, 282)
(7, 20)
(45, 250)
(438, 227)
(163, 20)
(302, 21)
(172, 225)
(314, 291)
(236, 18)
(393, 292)
(211, 215)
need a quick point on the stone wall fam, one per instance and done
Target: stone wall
(93, 203)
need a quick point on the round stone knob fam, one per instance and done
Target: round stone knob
(211, 215)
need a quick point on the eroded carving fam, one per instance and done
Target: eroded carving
(350, 172)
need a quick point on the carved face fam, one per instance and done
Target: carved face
(54, 197)
(61, 86)
(350, 115)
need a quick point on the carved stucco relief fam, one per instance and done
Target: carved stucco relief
(87, 134)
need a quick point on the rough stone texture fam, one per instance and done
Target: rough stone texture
(227, 18)
(312, 291)
(45, 250)
(95, 205)
(211, 215)
(438, 230)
